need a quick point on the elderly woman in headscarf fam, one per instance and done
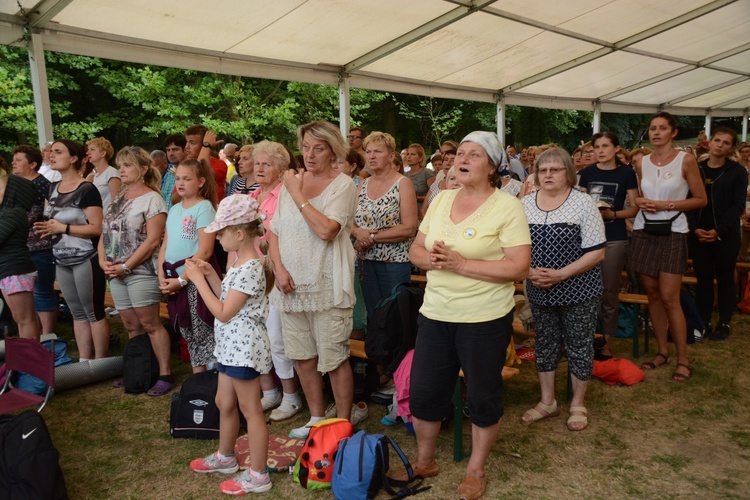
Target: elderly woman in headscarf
(474, 242)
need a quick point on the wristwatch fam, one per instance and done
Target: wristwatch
(206, 144)
(372, 237)
(182, 282)
(126, 269)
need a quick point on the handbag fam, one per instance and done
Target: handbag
(659, 227)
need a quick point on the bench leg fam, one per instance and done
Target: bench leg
(645, 330)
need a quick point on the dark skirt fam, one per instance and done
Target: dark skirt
(654, 254)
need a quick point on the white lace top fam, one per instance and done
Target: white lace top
(323, 271)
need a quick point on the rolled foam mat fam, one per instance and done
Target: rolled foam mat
(75, 375)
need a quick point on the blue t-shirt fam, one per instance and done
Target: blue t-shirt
(610, 186)
(182, 230)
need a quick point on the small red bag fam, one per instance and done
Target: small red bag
(618, 371)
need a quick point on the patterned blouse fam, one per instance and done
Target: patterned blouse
(243, 340)
(124, 228)
(378, 215)
(560, 237)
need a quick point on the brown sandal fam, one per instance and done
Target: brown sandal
(650, 365)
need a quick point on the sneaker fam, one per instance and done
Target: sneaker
(247, 483)
(391, 418)
(285, 411)
(720, 333)
(212, 463)
(269, 404)
(384, 395)
(359, 413)
(331, 411)
(300, 432)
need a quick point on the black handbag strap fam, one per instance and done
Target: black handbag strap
(660, 220)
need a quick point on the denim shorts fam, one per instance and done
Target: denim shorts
(238, 372)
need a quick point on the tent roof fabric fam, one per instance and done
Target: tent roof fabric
(638, 56)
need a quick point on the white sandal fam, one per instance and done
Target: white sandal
(534, 415)
(574, 419)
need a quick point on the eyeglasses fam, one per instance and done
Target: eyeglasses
(353, 137)
(588, 153)
(550, 170)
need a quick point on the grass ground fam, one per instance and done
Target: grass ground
(658, 439)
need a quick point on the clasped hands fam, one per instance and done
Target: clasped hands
(443, 258)
(544, 278)
(49, 227)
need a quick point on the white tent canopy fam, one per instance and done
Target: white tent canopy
(626, 56)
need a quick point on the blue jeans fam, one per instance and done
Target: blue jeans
(379, 278)
(45, 297)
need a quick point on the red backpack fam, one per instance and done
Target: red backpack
(314, 467)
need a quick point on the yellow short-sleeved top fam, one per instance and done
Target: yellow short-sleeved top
(500, 222)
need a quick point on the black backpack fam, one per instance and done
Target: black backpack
(29, 464)
(140, 367)
(392, 327)
(194, 412)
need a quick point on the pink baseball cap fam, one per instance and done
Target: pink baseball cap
(234, 210)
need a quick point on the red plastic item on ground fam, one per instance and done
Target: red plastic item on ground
(618, 371)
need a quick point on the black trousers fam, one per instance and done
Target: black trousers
(711, 261)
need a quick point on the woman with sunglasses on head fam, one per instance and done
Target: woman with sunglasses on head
(666, 177)
(128, 253)
(610, 183)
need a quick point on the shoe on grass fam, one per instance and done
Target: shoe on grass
(269, 403)
(212, 463)
(331, 411)
(721, 332)
(300, 432)
(285, 411)
(246, 483)
(359, 413)
(160, 388)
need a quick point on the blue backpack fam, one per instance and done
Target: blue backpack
(362, 465)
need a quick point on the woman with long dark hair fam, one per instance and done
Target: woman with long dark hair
(715, 230)
(610, 182)
(666, 177)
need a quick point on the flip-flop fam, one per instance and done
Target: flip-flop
(573, 419)
(550, 411)
(160, 388)
(650, 365)
(681, 377)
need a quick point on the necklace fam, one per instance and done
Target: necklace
(380, 184)
(663, 159)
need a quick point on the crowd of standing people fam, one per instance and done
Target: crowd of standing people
(278, 275)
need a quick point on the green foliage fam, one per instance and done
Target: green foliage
(565, 127)
(139, 104)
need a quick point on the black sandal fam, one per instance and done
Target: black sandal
(681, 377)
(650, 365)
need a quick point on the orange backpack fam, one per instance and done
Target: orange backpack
(314, 467)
